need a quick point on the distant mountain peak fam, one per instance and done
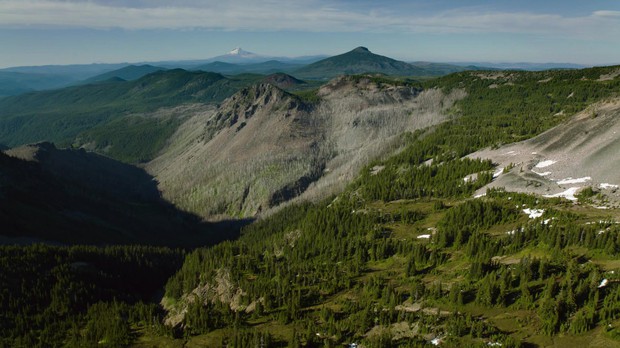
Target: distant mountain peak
(238, 51)
(361, 49)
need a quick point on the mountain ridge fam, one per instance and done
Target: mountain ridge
(361, 60)
(278, 146)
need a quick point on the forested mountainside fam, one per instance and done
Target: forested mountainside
(79, 115)
(405, 257)
(400, 255)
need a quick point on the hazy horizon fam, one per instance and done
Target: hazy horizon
(54, 32)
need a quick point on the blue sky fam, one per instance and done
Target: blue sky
(37, 32)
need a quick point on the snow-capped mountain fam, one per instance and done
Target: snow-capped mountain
(240, 56)
(240, 52)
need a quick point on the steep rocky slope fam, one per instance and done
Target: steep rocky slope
(238, 158)
(264, 146)
(560, 162)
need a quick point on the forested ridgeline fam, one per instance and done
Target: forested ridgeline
(403, 257)
(80, 296)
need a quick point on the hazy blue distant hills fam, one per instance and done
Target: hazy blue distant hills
(440, 69)
(521, 66)
(60, 115)
(73, 71)
(361, 60)
(127, 73)
(18, 80)
(268, 67)
(238, 56)
(22, 79)
(219, 67)
(14, 83)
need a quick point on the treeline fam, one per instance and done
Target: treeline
(505, 107)
(418, 180)
(53, 296)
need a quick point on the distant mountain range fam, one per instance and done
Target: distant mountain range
(360, 60)
(523, 66)
(18, 80)
(268, 67)
(127, 73)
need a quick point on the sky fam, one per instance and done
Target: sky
(40, 32)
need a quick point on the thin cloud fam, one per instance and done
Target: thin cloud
(609, 14)
(282, 15)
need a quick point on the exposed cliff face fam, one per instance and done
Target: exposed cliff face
(256, 143)
(263, 146)
(365, 117)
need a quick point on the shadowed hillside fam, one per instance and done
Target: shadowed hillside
(75, 197)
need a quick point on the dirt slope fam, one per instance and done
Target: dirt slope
(579, 153)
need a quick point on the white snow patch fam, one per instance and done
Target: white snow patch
(544, 164)
(534, 213)
(436, 341)
(514, 231)
(480, 195)
(574, 181)
(603, 283)
(494, 344)
(424, 236)
(547, 221)
(568, 194)
(541, 174)
(608, 186)
(498, 172)
(602, 207)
